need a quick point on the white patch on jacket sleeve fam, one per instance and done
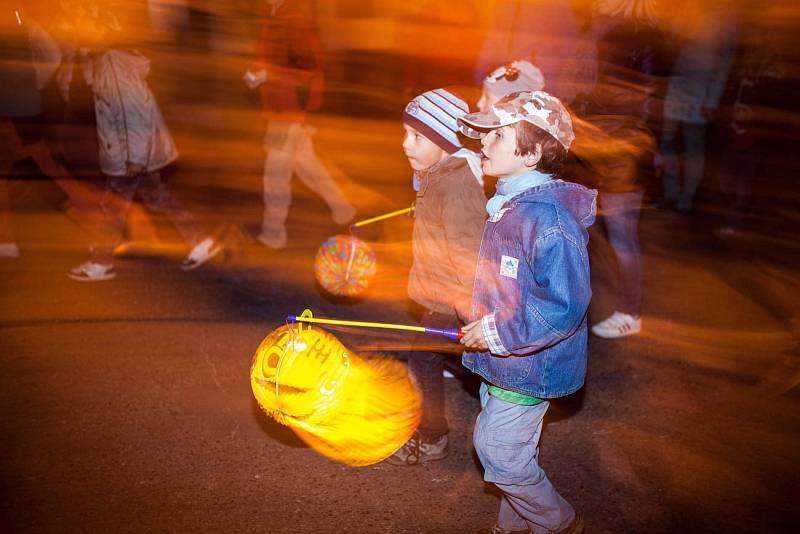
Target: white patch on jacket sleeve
(509, 266)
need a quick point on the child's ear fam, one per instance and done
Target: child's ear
(532, 158)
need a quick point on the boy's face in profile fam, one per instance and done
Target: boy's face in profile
(500, 158)
(422, 153)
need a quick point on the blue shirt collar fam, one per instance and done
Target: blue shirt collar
(508, 188)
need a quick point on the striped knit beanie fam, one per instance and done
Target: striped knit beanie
(435, 115)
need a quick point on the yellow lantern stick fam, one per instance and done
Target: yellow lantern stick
(452, 333)
(380, 218)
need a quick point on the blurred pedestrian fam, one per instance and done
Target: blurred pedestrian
(135, 145)
(77, 124)
(28, 59)
(289, 72)
(440, 42)
(696, 83)
(514, 76)
(617, 145)
(544, 32)
(754, 93)
(8, 244)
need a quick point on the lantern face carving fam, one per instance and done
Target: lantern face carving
(344, 266)
(347, 408)
(298, 371)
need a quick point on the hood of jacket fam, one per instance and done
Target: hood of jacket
(447, 165)
(130, 60)
(577, 199)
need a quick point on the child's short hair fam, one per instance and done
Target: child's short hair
(554, 155)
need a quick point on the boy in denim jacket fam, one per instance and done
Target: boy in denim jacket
(528, 333)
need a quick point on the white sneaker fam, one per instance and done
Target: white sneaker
(274, 238)
(9, 250)
(92, 272)
(618, 325)
(201, 253)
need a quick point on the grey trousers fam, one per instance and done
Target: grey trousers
(290, 150)
(506, 439)
(694, 159)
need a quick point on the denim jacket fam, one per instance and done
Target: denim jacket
(532, 291)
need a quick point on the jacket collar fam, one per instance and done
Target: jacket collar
(432, 174)
(446, 165)
(508, 188)
(575, 198)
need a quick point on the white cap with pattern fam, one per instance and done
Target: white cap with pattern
(541, 109)
(519, 75)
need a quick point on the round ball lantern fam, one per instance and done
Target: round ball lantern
(344, 266)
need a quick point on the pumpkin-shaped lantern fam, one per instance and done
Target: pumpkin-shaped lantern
(348, 408)
(344, 265)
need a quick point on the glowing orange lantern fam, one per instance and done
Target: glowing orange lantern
(348, 408)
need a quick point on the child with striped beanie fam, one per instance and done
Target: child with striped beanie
(449, 219)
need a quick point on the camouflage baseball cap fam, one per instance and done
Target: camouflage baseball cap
(537, 107)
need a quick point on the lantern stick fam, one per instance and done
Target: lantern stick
(380, 218)
(453, 333)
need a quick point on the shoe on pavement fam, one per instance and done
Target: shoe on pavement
(618, 325)
(418, 450)
(9, 250)
(90, 271)
(498, 530)
(576, 526)
(664, 204)
(201, 253)
(274, 238)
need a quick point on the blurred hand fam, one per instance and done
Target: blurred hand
(133, 169)
(64, 79)
(254, 79)
(658, 162)
(473, 336)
